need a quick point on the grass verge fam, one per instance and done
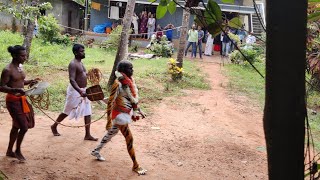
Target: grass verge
(245, 80)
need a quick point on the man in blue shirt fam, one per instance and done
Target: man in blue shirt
(199, 43)
(169, 31)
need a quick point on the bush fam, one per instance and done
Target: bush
(49, 28)
(62, 39)
(254, 53)
(113, 40)
(134, 47)
(162, 48)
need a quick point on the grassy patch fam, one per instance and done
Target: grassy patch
(50, 62)
(245, 80)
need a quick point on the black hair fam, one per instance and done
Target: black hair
(76, 48)
(123, 65)
(15, 50)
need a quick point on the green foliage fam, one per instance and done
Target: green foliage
(164, 6)
(113, 41)
(212, 13)
(21, 10)
(254, 53)
(228, 1)
(161, 9)
(234, 37)
(62, 39)
(162, 48)
(134, 47)
(7, 39)
(172, 7)
(235, 23)
(82, 2)
(49, 28)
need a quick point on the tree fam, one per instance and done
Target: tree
(27, 12)
(285, 106)
(183, 37)
(123, 45)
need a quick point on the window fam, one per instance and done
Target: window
(117, 9)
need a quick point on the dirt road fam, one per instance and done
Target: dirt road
(209, 135)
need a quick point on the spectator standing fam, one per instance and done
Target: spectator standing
(192, 40)
(199, 43)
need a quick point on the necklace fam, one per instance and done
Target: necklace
(20, 68)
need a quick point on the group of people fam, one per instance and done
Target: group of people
(122, 105)
(145, 24)
(195, 37)
(221, 42)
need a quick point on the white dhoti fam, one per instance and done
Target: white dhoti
(76, 106)
(209, 44)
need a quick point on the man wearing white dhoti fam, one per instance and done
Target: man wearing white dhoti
(77, 104)
(209, 44)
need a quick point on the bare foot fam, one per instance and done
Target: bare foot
(54, 131)
(11, 154)
(19, 156)
(139, 171)
(90, 138)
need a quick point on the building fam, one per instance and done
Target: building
(67, 12)
(103, 11)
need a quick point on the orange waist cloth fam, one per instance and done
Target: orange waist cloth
(23, 99)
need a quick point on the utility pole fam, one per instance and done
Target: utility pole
(86, 15)
(285, 106)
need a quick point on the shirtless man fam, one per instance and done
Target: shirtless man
(12, 82)
(77, 104)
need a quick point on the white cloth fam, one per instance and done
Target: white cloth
(135, 23)
(250, 39)
(152, 23)
(114, 12)
(209, 44)
(122, 119)
(76, 106)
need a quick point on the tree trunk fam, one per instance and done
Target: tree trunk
(183, 37)
(285, 106)
(123, 45)
(28, 35)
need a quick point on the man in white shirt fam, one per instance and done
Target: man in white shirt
(251, 39)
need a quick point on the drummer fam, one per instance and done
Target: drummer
(77, 104)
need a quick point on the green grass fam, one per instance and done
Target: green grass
(50, 63)
(245, 80)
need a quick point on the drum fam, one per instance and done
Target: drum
(95, 93)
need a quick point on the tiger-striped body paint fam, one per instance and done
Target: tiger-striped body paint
(123, 98)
